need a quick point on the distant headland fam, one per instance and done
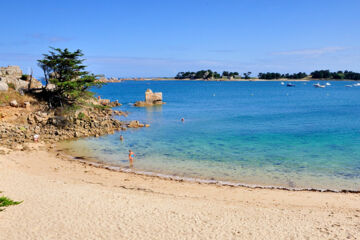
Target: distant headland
(209, 75)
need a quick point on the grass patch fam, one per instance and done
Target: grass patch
(5, 202)
(100, 107)
(11, 94)
(81, 116)
(11, 85)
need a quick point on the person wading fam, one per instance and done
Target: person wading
(131, 157)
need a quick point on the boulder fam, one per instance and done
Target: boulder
(34, 83)
(13, 71)
(50, 86)
(14, 103)
(27, 105)
(134, 124)
(104, 102)
(3, 86)
(21, 85)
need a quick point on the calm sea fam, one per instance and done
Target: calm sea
(253, 133)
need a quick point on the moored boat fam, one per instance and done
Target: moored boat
(318, 85)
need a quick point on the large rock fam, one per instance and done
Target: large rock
(50, 86)
(135, 124)
(21, 85)
(13, 71)
(104, 102)
(11, 75)
(153, 98)
(34, 83)
(3, 86)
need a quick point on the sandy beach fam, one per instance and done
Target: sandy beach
(65, 199)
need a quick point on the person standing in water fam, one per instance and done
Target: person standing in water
(131, 157)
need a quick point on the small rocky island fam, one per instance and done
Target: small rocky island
(151, 99)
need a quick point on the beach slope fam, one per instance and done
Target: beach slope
(65, 199)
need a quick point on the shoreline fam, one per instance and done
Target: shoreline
(232, 80)
(76, 200)
(170, 177)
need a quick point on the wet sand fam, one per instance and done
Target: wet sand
(66, 199)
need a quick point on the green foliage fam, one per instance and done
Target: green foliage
(99, 107)
(205, 74)
(24, 77)
(5, 202)
(247, 75)
(335, 75)
(66, 71)
(81, 116)
(11, 85)
(273, 75)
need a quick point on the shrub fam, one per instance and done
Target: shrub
(11, 85)
(5, 202)
(24, 77)
(81, 116)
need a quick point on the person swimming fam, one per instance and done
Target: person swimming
(182, 119)
(121, 138)
(131, 158)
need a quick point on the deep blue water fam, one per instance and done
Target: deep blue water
(248, 132)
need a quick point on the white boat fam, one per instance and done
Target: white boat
(318, 85)
(328, 84)
(348, 85)
(356, 85)
(282, 83)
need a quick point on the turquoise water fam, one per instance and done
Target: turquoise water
(254, 133)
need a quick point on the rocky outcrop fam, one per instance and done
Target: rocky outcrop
(108, 80)
(53, 126)
(3, 86)
(12, 75)
(151, 99)
(108, 103)
(120, 113)
(13, 71)
(135, 124)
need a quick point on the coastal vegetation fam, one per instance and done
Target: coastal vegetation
(63, 108)
(326, 74)
(274, 75)
(65, 70)
(318, 74)
(5, 202)
(206, 74)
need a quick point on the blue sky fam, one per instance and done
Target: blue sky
(160, 38)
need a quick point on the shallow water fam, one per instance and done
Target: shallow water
(249, 132)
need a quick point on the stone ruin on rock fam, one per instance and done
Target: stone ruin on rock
(151, 98)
